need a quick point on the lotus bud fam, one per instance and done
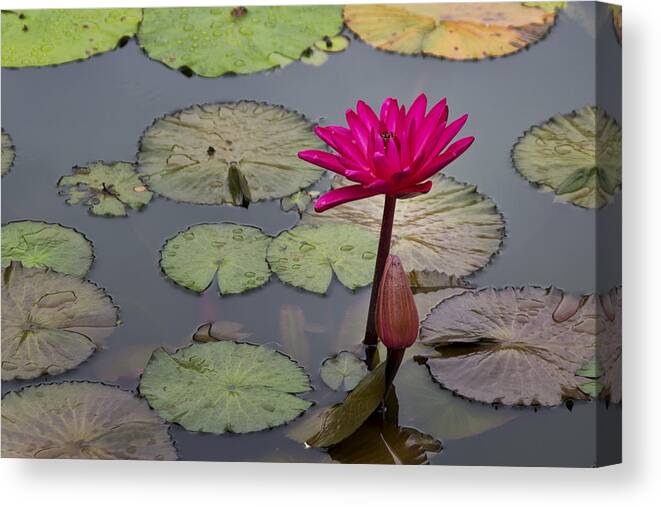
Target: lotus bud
(397, 321)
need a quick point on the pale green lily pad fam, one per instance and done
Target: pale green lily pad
(298, 201)
(228, 153)
(108, 189)
(32, 38)
(307, 256)
(216, 41)
(333, 44)
(225, 387)
(235, 254)
(82, 420)
(315, 57)
(515, 346)
(51, 322)
(453, 229)
(8, 153)
(43, 245)
(343, 371)
(578, 156)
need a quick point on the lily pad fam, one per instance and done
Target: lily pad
(225, 387)
(8, 153)
(228, 153)
(459, 31)
(32, 38)
(82, 420)
(578, 156)
(50, 321)
(609, 344)
(343, 371)
(515, 346)
(298, 201)
(214, 41)
(453, 229)
(235, 254)
(43, 245)
(307, 256)
(106, 188)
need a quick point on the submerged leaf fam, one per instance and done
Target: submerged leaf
(220, 330)
(42, 245)
(106, 188)
(51, 36)
(225, 387)
(307, 256)
(578, 156)
(8, 153)
(453, 229)
(216, 41)
(228, 153)
(235, 254)
(50, 321)
(343, 371)
(457, 31)
(515, 346)
(81, 420)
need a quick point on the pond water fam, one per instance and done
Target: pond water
(71, 114)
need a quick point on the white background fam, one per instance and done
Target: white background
(636, 482)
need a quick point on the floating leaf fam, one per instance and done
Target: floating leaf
(616, 11)
(299, 201)
(228, 153)
(49, 321)
(460, 31)
(33, 38)
(578, 156)
(107, 188)
(343, 371)
(235, 254)
(547, 6)
(307, 256)
(220, 330)
(81, 420)
(42, 245)
(515, 346)
(211, 42)
(315, 57)
(333, 44)
(591, 369)
(453, 229)
(225, 387)
(8, 153)
(609, 343)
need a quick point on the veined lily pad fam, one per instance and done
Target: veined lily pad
(453, 229)
(50, 321)
(33, 38)
(228, 153)
(343, 371)
(214, 41)
(42, 245)
(81, 420)
(307, 256)
(515, 346)
(459, 31)
(236, 254)
(8, 153)
(108, 189)
(225, 387)
(578, 156)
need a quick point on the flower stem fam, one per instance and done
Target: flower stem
(393, 361)
(371, 337)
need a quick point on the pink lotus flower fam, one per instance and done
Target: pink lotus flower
(394, 153)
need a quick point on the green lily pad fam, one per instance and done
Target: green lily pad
(515, 346)
(43, 245)
(228, 153)
(578, 156)
(81, 420)
(8, 153)
(106, 188)
(298, 201)
(32, 38)
(343, 371)
(51, 322)
(214, 41)
(456, 31)
(453, 229)
(225, 387)
(235, 254)
(333, 44)
(307, 256)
